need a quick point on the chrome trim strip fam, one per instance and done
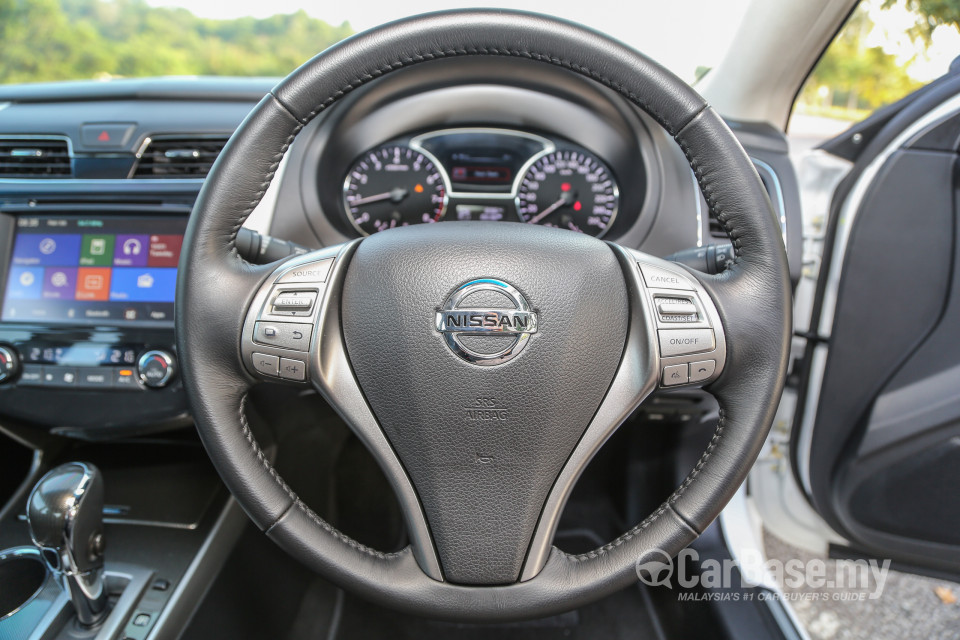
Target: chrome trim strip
(847, 218)
(329, 371)
(546, 145)
(778, 199)
(698, 198)
(26, 552)
(40, 136)
(778, 191)
(334, 377)
(636, 378)
(102, 181)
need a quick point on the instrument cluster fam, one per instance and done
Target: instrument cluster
(480, 174)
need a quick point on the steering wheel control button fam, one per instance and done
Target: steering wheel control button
(308, 273)
(657, 278)
(9, 364)
(293, 369)
(675, 374)
(681, 342)
(266, 364)
(676, 310)
(156, 368)
(289, 335)
(700, 371)
(294, 303)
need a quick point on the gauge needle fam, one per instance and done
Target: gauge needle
(396, 195)
(566, 198)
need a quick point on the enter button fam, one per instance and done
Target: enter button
(681, 342)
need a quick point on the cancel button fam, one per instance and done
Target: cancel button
(680, 342)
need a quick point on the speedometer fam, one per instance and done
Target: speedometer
(568, 189)
(394, 186)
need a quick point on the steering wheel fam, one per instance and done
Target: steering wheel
(482, 364)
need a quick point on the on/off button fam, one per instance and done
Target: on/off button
(680, 342)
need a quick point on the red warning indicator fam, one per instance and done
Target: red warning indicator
(103, 137)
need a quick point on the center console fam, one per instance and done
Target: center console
(86, 322)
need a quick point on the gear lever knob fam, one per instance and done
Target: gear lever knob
(65, 516)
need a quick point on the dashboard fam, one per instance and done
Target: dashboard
(97, 181)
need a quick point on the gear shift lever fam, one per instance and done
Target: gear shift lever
(65, 516)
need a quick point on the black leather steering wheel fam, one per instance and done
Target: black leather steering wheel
(483, 364)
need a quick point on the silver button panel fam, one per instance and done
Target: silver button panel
(690, 339)
(280, 325)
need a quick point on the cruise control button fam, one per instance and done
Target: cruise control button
(265, 364)
(676, 310)
(289, 335)
(312, 272)
(675, 374)
(680, 342)
(700, 371)
(293, 369)
(657, 278)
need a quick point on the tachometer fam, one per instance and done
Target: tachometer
(568, 189)
(394, 186)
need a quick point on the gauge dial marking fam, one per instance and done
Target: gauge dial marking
(568, 189)
(394, 185)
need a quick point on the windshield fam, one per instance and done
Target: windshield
(49, 40)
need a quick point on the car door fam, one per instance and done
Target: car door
(875, 444)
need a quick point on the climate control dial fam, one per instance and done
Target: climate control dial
(156, 368)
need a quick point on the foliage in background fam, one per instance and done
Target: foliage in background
(44, 40)
(931, 14)
(852, 79)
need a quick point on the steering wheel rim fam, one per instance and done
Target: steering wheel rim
(751, 300)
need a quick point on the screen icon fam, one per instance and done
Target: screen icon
(59, 283)
(96, 251)
(58, 250)
(130, 250)
(25, 283)
(93, 283)
(145, 281)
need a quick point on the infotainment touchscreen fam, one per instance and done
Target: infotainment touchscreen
(80, 269)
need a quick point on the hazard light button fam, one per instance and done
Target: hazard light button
(112, 135)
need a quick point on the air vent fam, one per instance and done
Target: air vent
(34, 158)
(178, 157)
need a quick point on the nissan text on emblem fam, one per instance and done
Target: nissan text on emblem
(486, 322)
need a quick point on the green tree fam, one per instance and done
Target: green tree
(852, 76)
(47, 40)
(931, 14)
